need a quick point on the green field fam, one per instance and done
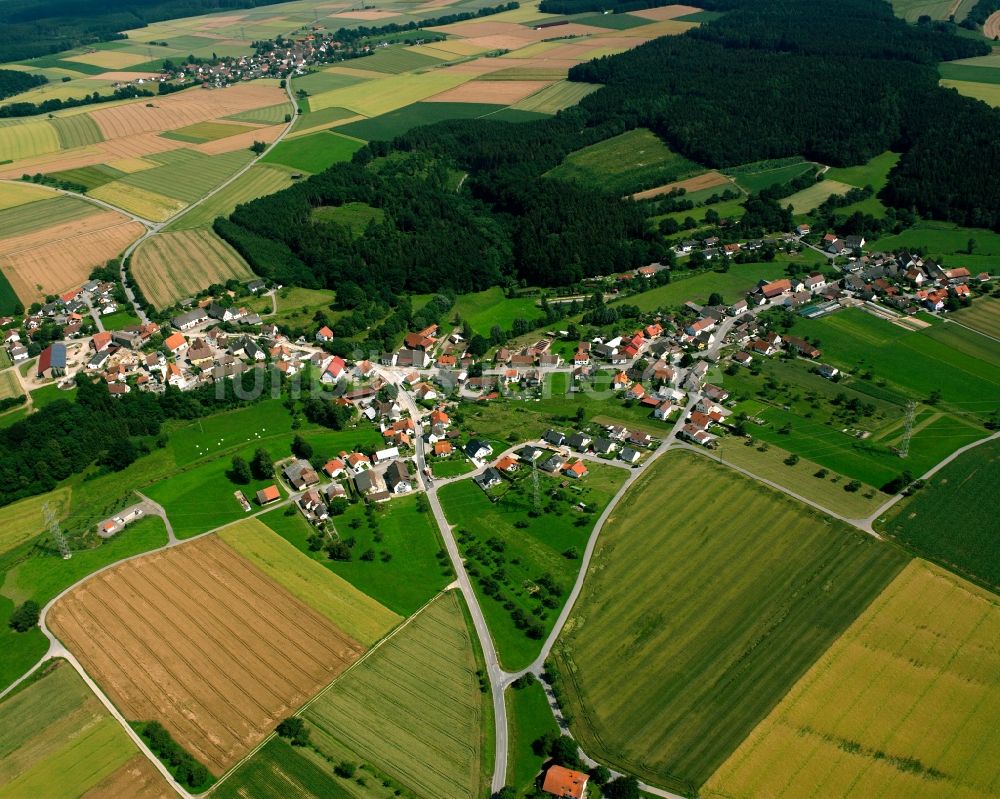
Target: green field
(396, 123)
(393, 60)
(44, 213)
(700, 285)
(313, 153)
(258, 181)
(26, 519)
(983, 315)
(801, 477)
(945, 242)
(875, 173)
(412, 574)
(77, 130)
(8, 298)
(324, 81)
(412, 710)
(357, 614)
(969, 72)
(190, 177)
(355, 216)
(317, 119)
(947, 520)
(119, 319)
(201, 132)
(277, 771)
(626, 163)
(451, 467)
(517, 553)
(56, 740)
(806, 200)
(483, 309)
(268, 115)
(755, 180)
(529, 718)
(89, 176)
(911, 10)
(738, 607)
(556, 97)
(297, 305)
(962, 366)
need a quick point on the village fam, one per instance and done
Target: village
(661, 365)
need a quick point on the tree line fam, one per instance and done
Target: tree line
(13, 82)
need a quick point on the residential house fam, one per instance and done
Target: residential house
(477, 449)
(334, 468)
(629, 455)
(443, 449)
(324, 334)
(802, 347)
(384, 455)
(555, 438)
(300, 474)
(365, 482)
(565, 783)
(529, 453)
(489, 478)
(397, 478)
(579, 441)
(334, 370)
(554, 463)
(186, 321)
(507, 464)
(576, 470)
(827, 371)
(605, 446)
(176, 343)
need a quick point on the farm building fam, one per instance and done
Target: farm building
(52, 361)
(267, 495)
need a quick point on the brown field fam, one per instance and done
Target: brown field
(61, 257)
(483, 66)
(665, 12)
(697, 183)
(137, 779)
(476, 31)
(503, 92)
(200, 640)
(110, 59)
(184, 108)
(171, 266)
(991, 28)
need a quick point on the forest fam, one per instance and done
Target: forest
(30, 28)
(13, 82)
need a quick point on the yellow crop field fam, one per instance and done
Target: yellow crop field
(12, 194)
(171, 266)
(666, 27)
(906, 703)
(9, 387)
(27, 139)
(989, 93)
(556, 97)
(449, 47)
(130, 165)
(26, 519)
(146, 204)
(804, 201)
(389, 93)
(354, 612)
(109, 59)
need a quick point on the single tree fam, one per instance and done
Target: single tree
(261, 466)
(25, 616)
(240, 471)
(301, 448)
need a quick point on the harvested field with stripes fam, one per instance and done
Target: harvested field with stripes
(413, 709)
(60, 257)
(502, 92)
(137, 779)
(13, 195)
(200, 640)
(707, 181)
(172, 266)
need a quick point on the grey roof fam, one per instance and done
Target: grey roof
(58, 360)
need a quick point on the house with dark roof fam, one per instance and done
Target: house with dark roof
(397, 478)
(489, 478)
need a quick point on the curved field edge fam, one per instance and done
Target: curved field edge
(724, 612)
(905, 703)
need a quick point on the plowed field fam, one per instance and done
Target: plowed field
(198, 639)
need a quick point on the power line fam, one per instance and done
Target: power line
(911, 412)
(56, 532)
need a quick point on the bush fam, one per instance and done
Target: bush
(25, 616)
(345, 769)
(185, 768)
(295, 730)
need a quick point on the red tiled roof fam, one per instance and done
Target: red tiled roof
(564, 782)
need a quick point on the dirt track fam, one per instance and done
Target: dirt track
(200, 640)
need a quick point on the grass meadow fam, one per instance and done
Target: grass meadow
(24, 520)
(756, 179)
(907, 364)
(555, 98)
(413, 709)
(518, 548)
(625, 163)
(529, 718)
(410, 576)
(278, 771)
(395, 123)
(725, 612)
(947, 521)
(349, 609)
(874, 173)
(700, 285)
(313, 153)
(56, 739)
(483, 309)
(905, 703)
(354, 216)
(946, 242)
